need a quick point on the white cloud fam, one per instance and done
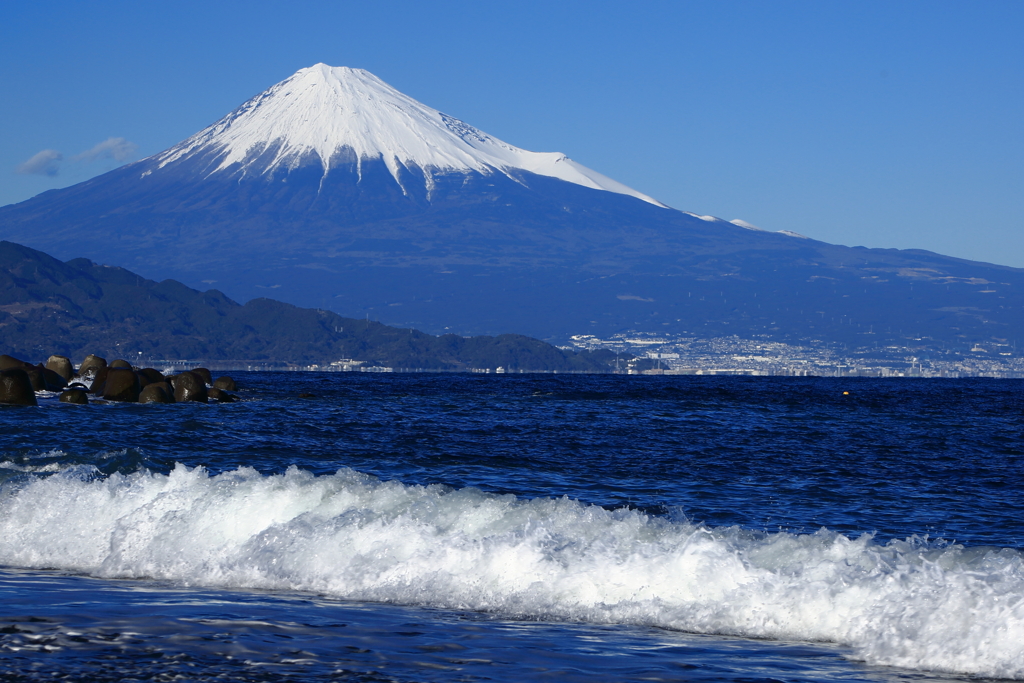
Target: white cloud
(117, 149)
(46, 162)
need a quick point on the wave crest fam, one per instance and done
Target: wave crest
(907, 603)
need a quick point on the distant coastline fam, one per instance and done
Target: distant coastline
(802, 362)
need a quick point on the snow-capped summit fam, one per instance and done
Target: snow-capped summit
(334, 115)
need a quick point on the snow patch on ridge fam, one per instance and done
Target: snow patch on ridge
(323, 110)
(743, 224)
(740, 223)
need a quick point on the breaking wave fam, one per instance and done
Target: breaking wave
(908, 603)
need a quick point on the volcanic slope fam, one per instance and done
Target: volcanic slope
(333, 190)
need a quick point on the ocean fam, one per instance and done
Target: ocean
(461, 527)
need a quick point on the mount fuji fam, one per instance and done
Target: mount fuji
(333, 190)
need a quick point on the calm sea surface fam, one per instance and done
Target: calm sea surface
(408, 527)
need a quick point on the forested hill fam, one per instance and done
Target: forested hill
(79, 307)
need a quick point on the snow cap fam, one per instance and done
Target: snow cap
(323, 110)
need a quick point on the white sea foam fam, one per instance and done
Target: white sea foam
(15, 467)
(905, 603)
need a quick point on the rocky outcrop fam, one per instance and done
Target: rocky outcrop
(204, 374)
(35, 378)
(40, 377)
(91, 365)
(62, 366)
(76, 396)
(16, 388)
(8, 362)
(220, 395)
(157, 392)
(116, 382)
(189, 386)
(225, 383)
(99, 379)
(122, 384)
(50, 380)
(151, 376)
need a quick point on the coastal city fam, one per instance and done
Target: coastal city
(653, 354)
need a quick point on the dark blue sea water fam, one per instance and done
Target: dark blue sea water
(517, 527)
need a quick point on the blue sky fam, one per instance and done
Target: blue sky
(883, 124)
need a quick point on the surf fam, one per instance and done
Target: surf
(910, 603)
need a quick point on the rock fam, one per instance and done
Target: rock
(51, 380)
(77, 396)
(152, 375)
(8, 362)
(166, 386)
(92, 364)
(225, 383)
(157, 392)
(123, 364)
(78, 385)
(62, 366)
(35, 377)
(220, 395)
(122, 384)
(16, 388)
(97, 383)
(204, 374)
(40, 377)
(189, 386)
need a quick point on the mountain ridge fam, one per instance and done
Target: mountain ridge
(78, 307)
